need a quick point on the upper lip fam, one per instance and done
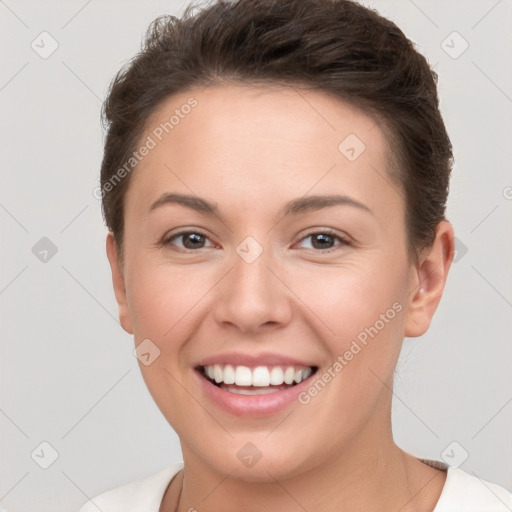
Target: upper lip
(252, 360)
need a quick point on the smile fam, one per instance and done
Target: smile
(237, 379)
(253, 391)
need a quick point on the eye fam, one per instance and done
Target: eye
(324, 241)
(190, 240)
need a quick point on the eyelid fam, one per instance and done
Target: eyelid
(344, 239)
(169, 237)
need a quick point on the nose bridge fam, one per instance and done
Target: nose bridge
(251, 269)
(252, 296)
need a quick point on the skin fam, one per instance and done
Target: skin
(250, 150)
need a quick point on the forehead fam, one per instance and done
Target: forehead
(264, 112)
(259, 138)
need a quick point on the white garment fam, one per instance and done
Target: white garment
(462, 492)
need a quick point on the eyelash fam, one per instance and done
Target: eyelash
(343, 240)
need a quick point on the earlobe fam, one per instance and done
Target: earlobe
(118, 283)
(430, 279)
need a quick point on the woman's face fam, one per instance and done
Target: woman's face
(300, 261)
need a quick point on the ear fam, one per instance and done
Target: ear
(119, 284)
(429, 281)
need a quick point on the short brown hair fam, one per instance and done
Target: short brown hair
(335, 46)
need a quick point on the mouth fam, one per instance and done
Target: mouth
(258, 380)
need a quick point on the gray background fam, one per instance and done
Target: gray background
(68, 374)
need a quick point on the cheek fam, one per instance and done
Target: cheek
(360, 312)
(160, 297)
(164, 302)
(168, 305)
(350, 297)
(365, 311)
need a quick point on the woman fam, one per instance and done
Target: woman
(274, 181)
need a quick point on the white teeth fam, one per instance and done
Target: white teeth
(243, 376)
(217, 373)
(260, 376)
(288, 375)
(306, 373)
(276, 376)
(229, 374)
(255, 391)
(301, 375)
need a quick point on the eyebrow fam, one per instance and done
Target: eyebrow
(294, 207)
(193, 202)
(318, 202)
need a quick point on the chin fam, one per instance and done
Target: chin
(247, 463)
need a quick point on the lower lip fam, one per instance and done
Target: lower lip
(252, 405)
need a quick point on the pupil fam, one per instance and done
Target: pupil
(323, 238)
(195, 238)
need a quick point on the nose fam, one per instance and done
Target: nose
(252, 297)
